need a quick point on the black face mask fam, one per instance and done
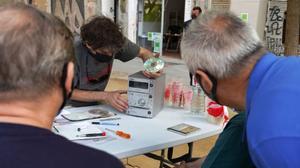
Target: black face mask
(193, 16)
(66, 96)
(213, 94)
(101, 57)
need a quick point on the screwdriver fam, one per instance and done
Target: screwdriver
(119, 133)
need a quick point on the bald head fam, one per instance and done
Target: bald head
(34, 46)
(14, 17)
(219, 24)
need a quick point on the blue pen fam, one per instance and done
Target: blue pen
(105, 123)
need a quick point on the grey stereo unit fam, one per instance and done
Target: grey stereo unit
(145, 96)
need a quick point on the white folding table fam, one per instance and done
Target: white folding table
(148, 135)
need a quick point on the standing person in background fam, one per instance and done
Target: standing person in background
(196, 11)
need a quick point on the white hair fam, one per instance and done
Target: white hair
(34, 49)
(218, 43)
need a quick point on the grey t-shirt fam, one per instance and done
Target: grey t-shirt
(92, 75)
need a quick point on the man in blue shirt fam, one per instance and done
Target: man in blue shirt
(36, 72)
(234, 69)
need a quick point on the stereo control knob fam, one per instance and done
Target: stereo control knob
(141, 102)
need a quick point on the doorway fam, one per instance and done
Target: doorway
(149, 27)
(173, 27)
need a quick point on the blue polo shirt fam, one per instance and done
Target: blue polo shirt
(273, 121)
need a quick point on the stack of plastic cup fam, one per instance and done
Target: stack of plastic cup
(168, 95)
(187, 97)
(176, 93)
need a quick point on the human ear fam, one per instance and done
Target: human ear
(69, 77)
(204, 81)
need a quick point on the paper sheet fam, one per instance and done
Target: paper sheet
(71, 131)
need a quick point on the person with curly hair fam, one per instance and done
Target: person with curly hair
(99, 44)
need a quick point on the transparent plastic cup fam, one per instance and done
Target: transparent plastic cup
(198, 102)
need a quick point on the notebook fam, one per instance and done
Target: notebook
(183, 129)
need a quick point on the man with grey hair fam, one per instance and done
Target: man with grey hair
(233, 68)
(36, 72)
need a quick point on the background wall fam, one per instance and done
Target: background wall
(71, 12)
(107, 8)
(256, 10)
(274, 30)
(43, 5)
(127, 18)
(3, 2)
(132, 20)
(122, 18)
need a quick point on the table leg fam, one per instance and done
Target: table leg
(161, 158)
(162, 155)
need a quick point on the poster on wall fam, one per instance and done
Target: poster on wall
(274, 26)
(220, 5)
(244, 16)
(71, 12)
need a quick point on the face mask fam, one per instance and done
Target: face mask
(213, 94)
(101, 57)
(66, 96)
(193, 16)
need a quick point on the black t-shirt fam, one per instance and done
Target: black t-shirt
(186, 24)
(31, 147)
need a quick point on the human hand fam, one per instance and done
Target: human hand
(152, 74)
(181, 165)
(116, 100)
(156, 55)
(195, 164)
